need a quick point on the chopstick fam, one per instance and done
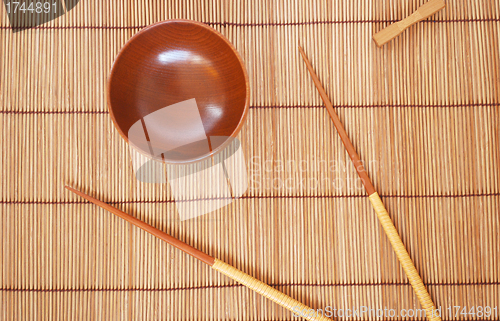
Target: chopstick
(378, 206)
(252, 283)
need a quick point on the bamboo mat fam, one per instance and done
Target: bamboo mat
(422, 112)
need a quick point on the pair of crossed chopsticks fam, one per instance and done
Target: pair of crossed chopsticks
(264, 289)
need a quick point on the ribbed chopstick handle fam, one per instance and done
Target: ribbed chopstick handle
(266, 291)
(403, 256)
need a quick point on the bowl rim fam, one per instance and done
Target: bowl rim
(243, 117)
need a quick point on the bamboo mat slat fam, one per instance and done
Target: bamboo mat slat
(423, 112)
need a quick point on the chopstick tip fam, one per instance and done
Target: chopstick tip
(71, 189)
(302, 53)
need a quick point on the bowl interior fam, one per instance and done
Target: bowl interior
(173, 81)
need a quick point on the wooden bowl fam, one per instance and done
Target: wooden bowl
(168, 63)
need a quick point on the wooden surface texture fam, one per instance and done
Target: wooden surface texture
(422, 112)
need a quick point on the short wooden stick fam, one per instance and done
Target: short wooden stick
(395, 29)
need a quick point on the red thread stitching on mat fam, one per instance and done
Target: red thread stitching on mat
(203, 287)
(387, 105)
(248, 197)
(99, 112)
(53, 112)
(261, 24)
